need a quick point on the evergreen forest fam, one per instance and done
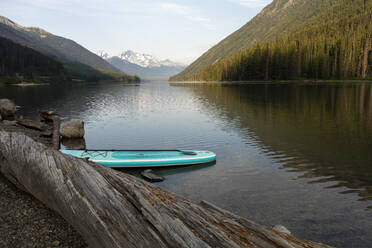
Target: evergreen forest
(335, 44)
(20, 63)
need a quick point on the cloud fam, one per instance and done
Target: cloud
(90, 8)
(175, 8)
(184, 11)
(251, 3)
(114, 8)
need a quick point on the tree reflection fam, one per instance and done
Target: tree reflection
(323, 131)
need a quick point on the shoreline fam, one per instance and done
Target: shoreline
(30, 223)
(310, 81)
(25, 221)
(24, 84)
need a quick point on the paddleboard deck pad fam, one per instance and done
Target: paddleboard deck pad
(144, 158)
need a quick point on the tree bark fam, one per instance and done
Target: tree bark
(299, 59)
(30, 124)
(367, 48)
(112, 209)
(267, 63)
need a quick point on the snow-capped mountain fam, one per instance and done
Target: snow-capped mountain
(144, 65)
(141, 59)
(146, 60)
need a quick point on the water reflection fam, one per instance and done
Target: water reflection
(74, 144)
(68, 100)
(173, 170)
(323, 131)
(321, 134)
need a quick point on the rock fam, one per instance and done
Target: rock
(282, 229)
(74, 144)
(151, 176)
(73, 129)
(56, 243)
(1, 118)
(8, 109)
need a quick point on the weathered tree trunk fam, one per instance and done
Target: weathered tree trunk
(347, 59)
(112, 209)
(299, 59)
(367, 48)
(30, 124)
(267, 63)
(335, 62)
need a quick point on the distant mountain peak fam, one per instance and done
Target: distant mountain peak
(145, 66)
(141, 59)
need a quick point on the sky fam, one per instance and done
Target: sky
(180, 30)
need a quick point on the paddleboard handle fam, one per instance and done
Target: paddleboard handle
(188, 153)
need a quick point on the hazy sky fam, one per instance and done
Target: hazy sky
(180, 30)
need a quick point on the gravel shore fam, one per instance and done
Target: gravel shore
(25, 221)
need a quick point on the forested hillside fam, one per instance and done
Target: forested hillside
(335, 43)
(52, 45)
(19, 63)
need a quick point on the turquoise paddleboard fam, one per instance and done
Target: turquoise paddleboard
(144, 158)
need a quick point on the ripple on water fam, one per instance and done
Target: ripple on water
(303, 162)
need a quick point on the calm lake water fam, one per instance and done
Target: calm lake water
(299, 155)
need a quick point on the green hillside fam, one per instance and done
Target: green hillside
(52, 45)
(81, 72)
(20, 63)
(292, 39)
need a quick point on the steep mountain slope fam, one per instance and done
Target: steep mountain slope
(47, 43)
(335, 43)
(144, 65)
(278, 18)
(19, 63)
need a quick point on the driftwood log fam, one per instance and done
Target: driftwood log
(30, 124)
(112, 209)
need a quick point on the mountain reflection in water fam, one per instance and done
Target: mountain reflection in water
(323, 131)
(295, 154)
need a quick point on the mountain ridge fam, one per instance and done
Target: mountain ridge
(141, 59)
(144, 65)
(20, 63)
(277, 18)
(52, 45)
(333, 43)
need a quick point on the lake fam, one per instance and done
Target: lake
(296, 154)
